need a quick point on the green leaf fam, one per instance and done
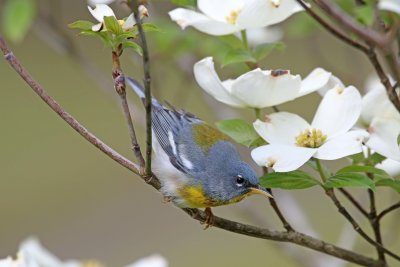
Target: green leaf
(239, 130)
(288, 180)
(349, 179)
(257, 142)
(379, 174)
(148, 27)
(232, 40)
(185, 3)
(17, 17)
(237, 56)
(263, 50)
(104, 36)
(81, 24)
(376, 158)
(365, 14)
(395, 184)
(133, 45)
(112, 25)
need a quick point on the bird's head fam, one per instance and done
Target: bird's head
(230, 178)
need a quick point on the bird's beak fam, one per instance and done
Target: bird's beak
(261, 191)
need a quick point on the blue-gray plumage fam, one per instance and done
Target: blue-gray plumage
(198, 166)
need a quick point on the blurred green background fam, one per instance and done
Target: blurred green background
(80, 204)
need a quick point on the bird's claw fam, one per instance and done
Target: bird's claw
(209, 221)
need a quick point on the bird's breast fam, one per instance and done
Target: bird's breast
(195, 197)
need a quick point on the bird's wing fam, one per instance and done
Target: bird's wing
(167, 127)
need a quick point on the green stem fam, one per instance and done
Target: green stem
(244, 39)
(321, 170)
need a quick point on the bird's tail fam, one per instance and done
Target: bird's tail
(139, 90)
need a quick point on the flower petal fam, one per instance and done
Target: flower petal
(101, 11)
(383, 137)
(338, 111)
(316, 80)
(263, 35)
(332, 82)
(282, 158)
(262, 89)
(150, 261)
(129, 22)
(390, 5)
(219, 10)
(36, 255)
(95, 2)
(97, 27)
(390, 166)
(342, 145)
(260, 13)
(373, 104)
(186, 17)
(208, 79)
(280, 128)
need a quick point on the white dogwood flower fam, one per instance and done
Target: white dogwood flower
(102, 10)
(390, 5)
(293, 141)
(257, 88)
(382, 121)
(33, 254)
(229, 16)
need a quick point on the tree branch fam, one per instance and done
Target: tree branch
(331, 29)
(369, 35)
(291, 237)
(369, 51)
(134, 5)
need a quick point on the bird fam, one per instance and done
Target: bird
(198, 166)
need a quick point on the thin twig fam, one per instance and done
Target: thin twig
(13, 61)
(390, 90)
(354, 201)
(134, 5)
(342, 210)
(120, 88)
(278, 212)
(372, 38)
(291, 237)
(369, 51)
(387, 210)
(368, 34)
(375, 224)
(331, 29)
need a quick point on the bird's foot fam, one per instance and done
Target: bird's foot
(209, 221)
(168, 199)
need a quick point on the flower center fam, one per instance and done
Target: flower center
(312, 138)
(232, 17)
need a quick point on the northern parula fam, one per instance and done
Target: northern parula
(198, 166)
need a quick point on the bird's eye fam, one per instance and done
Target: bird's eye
(240, 180)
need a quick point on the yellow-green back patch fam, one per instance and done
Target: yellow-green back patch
(206, 136)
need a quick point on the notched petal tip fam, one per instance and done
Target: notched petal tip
(101, 11)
